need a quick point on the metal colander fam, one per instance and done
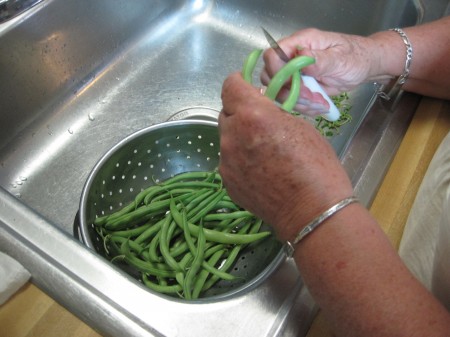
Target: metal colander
(153, 155)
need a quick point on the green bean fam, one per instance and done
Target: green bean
(135, 215)
(226, 265)
(228, 225)
(131, 244)
(294, 92)
(229, 261)
(205, 206)
(138, 214)
(153, 247)
(184, 262)
(196, 264)
(224, 204)
(203, 275)
(171, 193)
(132, 232)
(180, 249)
(185, 176)
(185, 184)
(211, 248)
(142, 213)
(152, 193)
(143, 266)
(250, 64)
(163, 289)
(164, 244)
(187, 234)
(151, 231)
(280, 78)
(126, 209)
(218, 272)
(227, 238)
(256, 226)
(224, 216)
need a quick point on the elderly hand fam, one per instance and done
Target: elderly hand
(342, 62)
(273, 164)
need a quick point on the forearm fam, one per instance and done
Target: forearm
(430, 67)
(361, 284)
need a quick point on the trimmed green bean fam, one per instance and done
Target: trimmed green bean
(176, 185)
(136, 247)
(218, 272)
(203, 275)
(187, 233)
(131, 233)
(205, 206)
(150, 232)
(143, 266)
(186, 176)
(164, 244)
(142, 213)
(163, 289)
(228, 238)
(153, 248)
(196, 264)
(224, 216)
(171, 193)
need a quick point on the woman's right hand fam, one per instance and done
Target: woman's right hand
(343, 62)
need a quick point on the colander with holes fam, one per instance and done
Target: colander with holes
(151, 156)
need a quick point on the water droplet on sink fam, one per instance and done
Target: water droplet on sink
(23, 178)
(70, 131)
(91, 117)
(18, 195)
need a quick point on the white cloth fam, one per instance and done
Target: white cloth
(425, 245)
(12, 277)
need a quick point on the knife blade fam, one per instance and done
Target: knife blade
(333, 113)
(275, 46)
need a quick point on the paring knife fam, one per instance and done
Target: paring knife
(333, 114)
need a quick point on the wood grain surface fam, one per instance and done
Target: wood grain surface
(30, 312)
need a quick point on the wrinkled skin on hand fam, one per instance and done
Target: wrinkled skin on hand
(342, 62)
(274, 164)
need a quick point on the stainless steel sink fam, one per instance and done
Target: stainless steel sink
(77, 76)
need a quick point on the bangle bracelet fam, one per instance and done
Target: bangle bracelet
(317, 221)
(403, 77)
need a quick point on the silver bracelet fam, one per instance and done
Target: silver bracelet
(393, 91)
(317, 221)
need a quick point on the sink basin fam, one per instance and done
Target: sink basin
(76, 77)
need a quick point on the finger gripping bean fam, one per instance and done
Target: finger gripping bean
(282, 76)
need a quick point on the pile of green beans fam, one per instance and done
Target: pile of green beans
(290, 70)
(183, 235)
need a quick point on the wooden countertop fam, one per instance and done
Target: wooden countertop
(30, 312)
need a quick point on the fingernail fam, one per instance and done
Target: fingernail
(312, 106)
(318, 106)
(304, 101)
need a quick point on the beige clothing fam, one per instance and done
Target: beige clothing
(425, 246)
